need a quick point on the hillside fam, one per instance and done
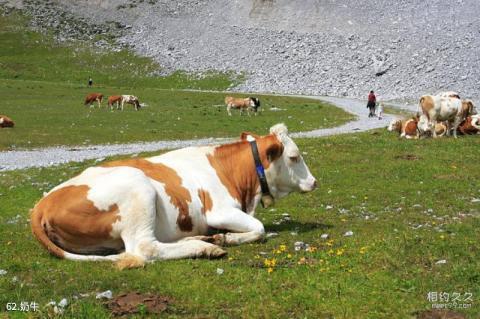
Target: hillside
(401, 49)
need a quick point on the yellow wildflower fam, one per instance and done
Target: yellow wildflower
(282, 248)
(311, 249)
(269, 270)
(340, 251)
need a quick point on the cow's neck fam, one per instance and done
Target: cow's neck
(235, 167)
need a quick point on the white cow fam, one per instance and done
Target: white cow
(138, 210)
(444, 108)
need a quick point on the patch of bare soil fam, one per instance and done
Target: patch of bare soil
(135, 302)
(408, 157)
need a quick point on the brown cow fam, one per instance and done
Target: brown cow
(470, 126)
(92, 97)
(5, 121)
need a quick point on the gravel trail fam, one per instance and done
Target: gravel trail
(51, 156)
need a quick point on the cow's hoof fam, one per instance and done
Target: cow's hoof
(218, 239)
(214, 252)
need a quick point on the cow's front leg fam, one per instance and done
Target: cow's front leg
(456, 124)
(432, 128)
(243, 228)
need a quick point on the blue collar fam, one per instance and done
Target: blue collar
(267, 198)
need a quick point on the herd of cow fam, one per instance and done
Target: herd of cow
(442, 114)
(118, 100)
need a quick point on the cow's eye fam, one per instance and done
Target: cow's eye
(294, 159)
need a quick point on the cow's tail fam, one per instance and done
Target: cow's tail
(39, 232)
(123, 260)
(420, 111)
(419, 105)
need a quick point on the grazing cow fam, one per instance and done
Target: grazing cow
(122, 99)
(5, 121)
(450, 109)
(470, 126)
(137, 210)
(250, 104)
(92, 97)
(408, 128)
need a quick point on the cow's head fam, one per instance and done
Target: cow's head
(423, 125)
(286, 170)
(254, 103)
(469, 108)
(395, 125)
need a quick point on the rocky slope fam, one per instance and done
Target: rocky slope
(400, 49)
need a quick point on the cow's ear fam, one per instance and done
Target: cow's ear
(274, 151)
(244, 135)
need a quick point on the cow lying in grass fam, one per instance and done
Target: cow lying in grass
(470, 126)
(138, 210)
(408, 128)
(249, 104)
(120, 100)
(5, 121)
(94, 97)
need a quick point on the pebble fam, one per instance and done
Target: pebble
(220, 271)
(348, 233)
(299, 245)
(104, 295)
(324, 236)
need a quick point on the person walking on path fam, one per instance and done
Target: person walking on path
(372, 100)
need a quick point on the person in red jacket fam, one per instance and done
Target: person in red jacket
(372, 101)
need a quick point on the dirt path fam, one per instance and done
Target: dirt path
(50, 156)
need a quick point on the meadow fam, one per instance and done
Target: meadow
(43, 85)
(410, 206)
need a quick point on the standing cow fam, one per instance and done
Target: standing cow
(94, 97)
(138, 210)
(250, 104)
(444, 108)
(120, 100)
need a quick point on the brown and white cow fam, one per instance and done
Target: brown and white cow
(94, 97)
(438, 108)
(470, 126)
(249, 104)
(452, 94)
(5, 121)
(408, 128)
(138, 210)
(120, 100)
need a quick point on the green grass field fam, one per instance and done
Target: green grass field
(47, 113)
(43, 86)
(409, 205)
